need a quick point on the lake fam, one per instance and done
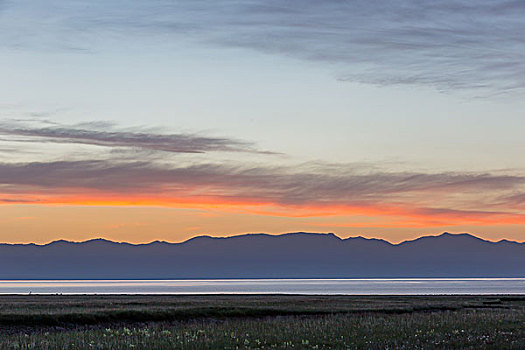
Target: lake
(397, 286)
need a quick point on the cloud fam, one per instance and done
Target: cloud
(447, 44)
(289, 185)
(18, 201)
(450, 44)
(303, 190)
(104, 134)
(515, 200)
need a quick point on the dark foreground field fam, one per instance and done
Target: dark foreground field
(262, 322)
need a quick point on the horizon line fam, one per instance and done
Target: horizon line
(261, 234)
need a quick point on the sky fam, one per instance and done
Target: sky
(162, 120)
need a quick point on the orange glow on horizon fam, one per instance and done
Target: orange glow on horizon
(402, 215)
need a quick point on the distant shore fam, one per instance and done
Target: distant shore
(312, 286)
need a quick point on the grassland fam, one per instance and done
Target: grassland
(262, 322)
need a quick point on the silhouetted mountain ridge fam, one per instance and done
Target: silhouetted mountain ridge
(315, 234)
(259, 255)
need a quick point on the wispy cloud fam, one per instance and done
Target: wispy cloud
(449, 44)
(315, 190)
(105, 134)
(18, 201)
(514, 200)
(446, 44)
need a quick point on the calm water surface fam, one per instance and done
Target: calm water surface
(272, 286)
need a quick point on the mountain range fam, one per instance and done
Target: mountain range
(291, 255)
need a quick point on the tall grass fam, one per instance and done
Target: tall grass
(318, 323)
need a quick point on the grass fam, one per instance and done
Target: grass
(262, 322)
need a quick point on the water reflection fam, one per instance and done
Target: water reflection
(272, 286)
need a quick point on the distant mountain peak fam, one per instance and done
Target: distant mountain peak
(443, 236)
(463, 234)
(263, 235)
(89, 241)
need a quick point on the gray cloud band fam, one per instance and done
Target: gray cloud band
(284, 186)
(449, 44)
(177, 143)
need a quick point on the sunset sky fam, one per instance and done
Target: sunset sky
(162, 120)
